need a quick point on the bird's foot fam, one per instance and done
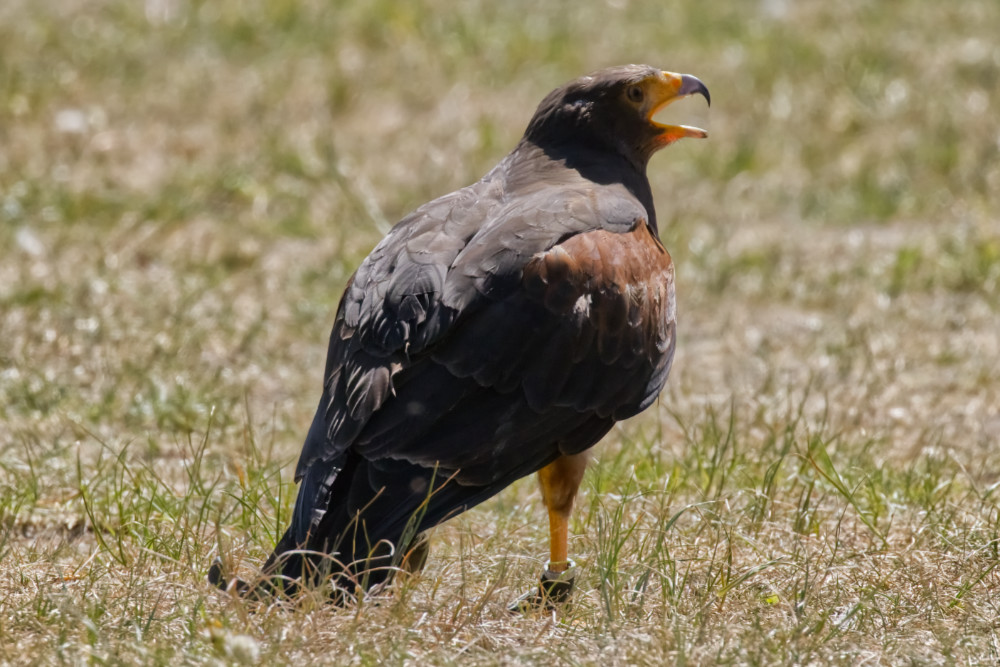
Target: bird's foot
(416, 558)
(280, 589)
(260, 593)
(217, 577)
(553, 589)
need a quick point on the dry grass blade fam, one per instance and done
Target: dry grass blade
(186, 186)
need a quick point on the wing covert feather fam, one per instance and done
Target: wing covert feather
(510, 292)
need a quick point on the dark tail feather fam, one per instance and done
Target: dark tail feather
(356, 525)
(356, 520)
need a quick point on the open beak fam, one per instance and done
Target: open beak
(673, 87)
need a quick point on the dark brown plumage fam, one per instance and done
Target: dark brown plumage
(495, 331)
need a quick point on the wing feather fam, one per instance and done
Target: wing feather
(477, 296)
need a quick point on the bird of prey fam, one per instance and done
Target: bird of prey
(495, 332)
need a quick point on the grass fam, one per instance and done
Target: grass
(185, 187)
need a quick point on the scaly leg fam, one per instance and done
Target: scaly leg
(416, 557)
(559, 482)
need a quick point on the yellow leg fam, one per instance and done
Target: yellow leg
(415, 559)
(558, 540)
(559, 481)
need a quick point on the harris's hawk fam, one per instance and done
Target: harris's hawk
(497, 331)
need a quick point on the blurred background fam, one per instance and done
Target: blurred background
(156, 156)
(186, 185)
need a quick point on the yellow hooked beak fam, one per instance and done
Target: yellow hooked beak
(670, 87)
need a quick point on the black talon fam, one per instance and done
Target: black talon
(217, 577)
(554, 588)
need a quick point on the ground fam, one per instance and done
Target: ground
(185, 187)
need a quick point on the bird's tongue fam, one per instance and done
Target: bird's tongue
(675, 132)
(665, 118)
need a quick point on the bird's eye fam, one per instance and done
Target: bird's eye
(635, 94)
